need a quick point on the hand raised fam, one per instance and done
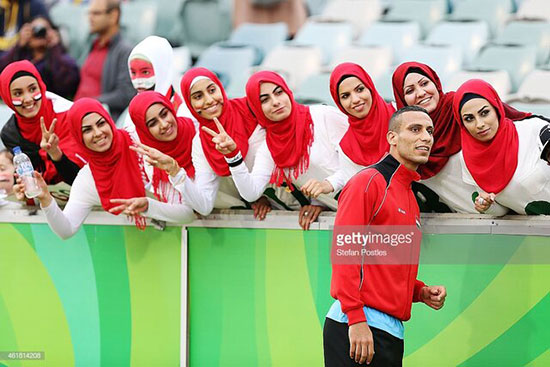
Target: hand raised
(156, 158)
(223, 142)
(50, 140)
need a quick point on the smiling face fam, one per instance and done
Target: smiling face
(419, 90)
(480, 119)
(26, 96)
(275, 102)
(206, 99)
(411, 142)
(6, 172)
(142, 75)
(355, 97)
(97, 134)
(161, 123)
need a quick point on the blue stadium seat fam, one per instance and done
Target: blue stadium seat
(517, 60)
(470, 36)
(294, 62)
(399, 35)
(263, 37)
(534, 9)
(384, 86)
(426, 13)
(376, 60)
(535, 86)
(542, 108)
(198, 33)
(227, 61)
(499, 79)
(315, 90)
(445, 60)
(330, 37)
(360, 13)
(495, 12)
(536, 33)
(138, 20)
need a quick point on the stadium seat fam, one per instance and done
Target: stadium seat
(182, 59)
(384, 86)
(499, 79)
(316, 7)
(197, 33)
(227, 61)
(376, 60)
(399, 35)
(536, 33)
(263, 37)
(138, 20)
(329, 36)
(534, 9)
(314, 90)
(535, 86)
(72, 21)
(360, 13)
(168, 25)
(517, 60)
(470, 36)
(294, 62)
(426, 13)
(445, 60)
(542, 108)
(494, 12)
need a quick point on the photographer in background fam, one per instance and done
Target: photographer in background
(39, 42)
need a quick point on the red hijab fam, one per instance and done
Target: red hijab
(446, 129)
(493, 163)
(30, 127)
(236, 119)
(365, 141)
(117, 172)
(179, 149)
(289, 140)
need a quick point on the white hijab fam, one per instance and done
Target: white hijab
(158, 51)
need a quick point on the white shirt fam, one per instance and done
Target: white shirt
(84, 197)
(329, 126)
(208, 190)
(531, 180)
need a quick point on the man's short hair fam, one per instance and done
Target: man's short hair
(114, 5)
(396, 120)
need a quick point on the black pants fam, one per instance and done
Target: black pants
(388, 350)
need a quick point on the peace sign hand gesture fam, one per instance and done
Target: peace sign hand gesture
(50, 140)
(157, 159)
(224, 143)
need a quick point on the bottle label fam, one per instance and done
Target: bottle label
(24, 169)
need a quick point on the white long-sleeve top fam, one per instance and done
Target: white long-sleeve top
(208, 190)
(84, 197)
(531, 180)
(329, 126)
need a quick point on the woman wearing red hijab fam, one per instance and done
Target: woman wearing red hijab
(158, 127)
(113, 177)
(300, 148)
(38, 124)
(212, 187)
(365, 141)
(507, 161)
(417, 84)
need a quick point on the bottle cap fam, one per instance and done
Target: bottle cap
(16, 150)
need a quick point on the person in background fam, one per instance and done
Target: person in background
(365, 323)
(39, 42)
(506, 160)
(150, 65)
(417, 84)
(113, 177)
(104, 73)
(15, 13)
(7, 170)
(39, 123)
(368, 114)
(300, 148)
(292, 12)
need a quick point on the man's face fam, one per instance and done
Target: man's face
(100, 17)
(412, 144)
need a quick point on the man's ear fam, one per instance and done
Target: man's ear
(392, 138)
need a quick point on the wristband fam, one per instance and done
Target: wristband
(234, 161)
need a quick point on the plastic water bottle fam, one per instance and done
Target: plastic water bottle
(24, 169)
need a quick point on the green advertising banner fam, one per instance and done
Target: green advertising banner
(259, 298)
(109, 296)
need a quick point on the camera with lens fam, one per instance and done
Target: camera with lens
(39, 31)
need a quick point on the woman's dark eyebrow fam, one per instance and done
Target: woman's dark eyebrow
(276, 87)
(410, 85)
(482, 108)
(151, 120)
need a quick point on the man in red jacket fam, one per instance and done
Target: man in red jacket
(365, 322)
